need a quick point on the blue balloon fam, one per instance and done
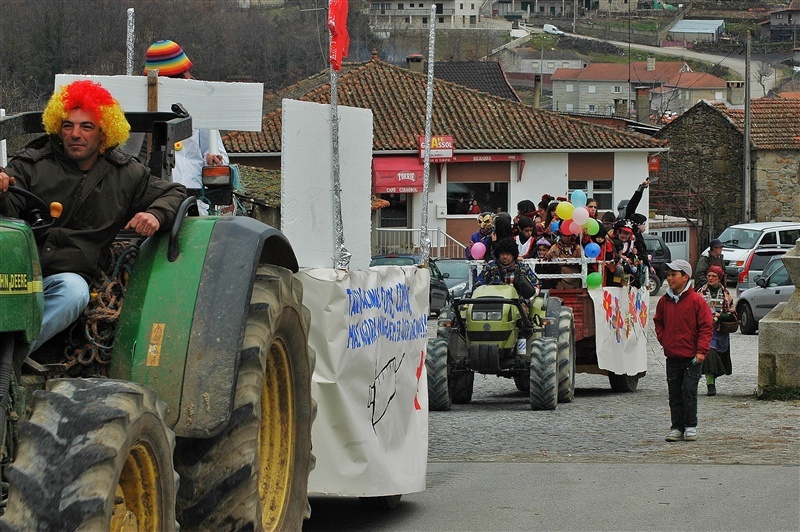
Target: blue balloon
(554, 226)
(592, 250)
(578, 198)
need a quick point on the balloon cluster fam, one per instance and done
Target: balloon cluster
(575, 218)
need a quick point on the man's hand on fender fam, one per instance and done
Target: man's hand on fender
(144, 223)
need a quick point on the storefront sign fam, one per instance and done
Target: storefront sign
(441, 149)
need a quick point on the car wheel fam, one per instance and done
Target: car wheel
(654, 284)
(748, 323)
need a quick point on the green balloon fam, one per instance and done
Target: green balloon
(594, 279)
(592, 227)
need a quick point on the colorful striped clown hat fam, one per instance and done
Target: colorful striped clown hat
(168, 58)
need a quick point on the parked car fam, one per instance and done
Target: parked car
(552, 30)
(738, 240)
(660, 255)
(773, 287)
(439, 296)
(456, 275)
(756, 261)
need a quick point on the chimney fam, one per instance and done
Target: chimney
(651, 64)
(642, 104)
(621, 107)
(414, 62)
(736, 92)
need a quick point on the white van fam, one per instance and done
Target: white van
(552, 30)
(738, 241)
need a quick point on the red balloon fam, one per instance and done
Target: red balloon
(565, 227)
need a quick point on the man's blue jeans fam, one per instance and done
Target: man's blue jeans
(65, 297)
(682, 379)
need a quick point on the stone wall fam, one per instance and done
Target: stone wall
(777, 186)
(701, 175)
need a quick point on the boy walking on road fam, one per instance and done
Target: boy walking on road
(684, 326)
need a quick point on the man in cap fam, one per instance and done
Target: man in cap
(204, 147)
(102, 190)
(684, 326)
(713, 258)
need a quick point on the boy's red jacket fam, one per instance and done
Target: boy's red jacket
(684, 328)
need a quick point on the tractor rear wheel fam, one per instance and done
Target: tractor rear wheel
(96, 454)
(461, 383)
(566, 355)
(436, 367)
(623, 383)
(544, 381)
(254, 474)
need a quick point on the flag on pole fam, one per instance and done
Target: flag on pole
(337, 24)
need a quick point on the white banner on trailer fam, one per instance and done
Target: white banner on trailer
(369, 330)
(620, 317)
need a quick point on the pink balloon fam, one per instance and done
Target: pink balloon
(478, 250)
(575, 228)
(580, 215)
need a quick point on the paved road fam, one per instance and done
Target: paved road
(735, 62)
(601, 462)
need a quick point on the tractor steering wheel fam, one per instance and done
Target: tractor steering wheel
(37, 214)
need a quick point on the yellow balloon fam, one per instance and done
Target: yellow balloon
(564, 210)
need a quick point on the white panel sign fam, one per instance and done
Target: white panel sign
(307, 182)
(369, 329)
(620, 318)
(212, 104)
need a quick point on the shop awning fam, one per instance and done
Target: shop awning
(396, 175)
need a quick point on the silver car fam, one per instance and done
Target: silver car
(773, 287)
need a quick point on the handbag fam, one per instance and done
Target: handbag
(727, 323)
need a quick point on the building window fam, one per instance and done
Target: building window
(569, 87)
(472, 7)
(396, 214)
(617, 89)
(565, 64)
(441, 20)
(489, 197)
(601, 190)
(592, 89)
(424, 20)
(408, 20)
(461, 6)
(535, 65)
(570, 107)
(400, 6)
(551, 64)
(592, 108)
(718, 95)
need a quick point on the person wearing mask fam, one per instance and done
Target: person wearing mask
(684, 328)
(102, 190)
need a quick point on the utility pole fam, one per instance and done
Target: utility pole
(746, 184)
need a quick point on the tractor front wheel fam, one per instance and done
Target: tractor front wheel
(96, 454)
(544, 379)
(566, 355)
(254, 474)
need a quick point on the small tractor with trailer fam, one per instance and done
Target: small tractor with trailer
(204, 375)
(493, 333)
(542, 350)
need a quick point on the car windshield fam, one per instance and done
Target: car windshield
(458, 269)
(738, 238)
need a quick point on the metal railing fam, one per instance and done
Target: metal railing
(404, 241)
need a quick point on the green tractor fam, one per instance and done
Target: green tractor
(202, 419)
(493, 333)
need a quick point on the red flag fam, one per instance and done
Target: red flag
(337, 24)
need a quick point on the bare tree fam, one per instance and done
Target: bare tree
(764, 71)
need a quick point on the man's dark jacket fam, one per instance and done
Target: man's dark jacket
(97, 204)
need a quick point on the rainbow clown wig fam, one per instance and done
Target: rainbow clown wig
(92, 98)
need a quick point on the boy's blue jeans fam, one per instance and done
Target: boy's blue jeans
(682, 379)
(65, 297)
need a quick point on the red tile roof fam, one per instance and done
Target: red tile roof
(774, 122)
(476, 120)
(696, 80)
(636, 72)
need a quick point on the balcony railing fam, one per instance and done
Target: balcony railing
(404, 241)
(416, 12)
